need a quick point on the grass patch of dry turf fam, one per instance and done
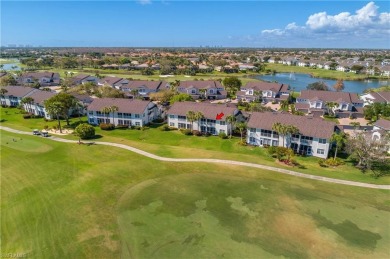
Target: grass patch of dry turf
(72, 201)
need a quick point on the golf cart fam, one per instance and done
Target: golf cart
(44, 133)
(36, 132)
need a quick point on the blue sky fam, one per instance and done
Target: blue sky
(148, 23)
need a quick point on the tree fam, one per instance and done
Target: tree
(339, 139)
(232, 85)
(85, 131)
(320, 86)
(191, 117)
(8, 80)
(284, 105)
(180, 98)
(366, 150)
(134, 92)
(241, 127)
(106, 111)
(281, 129)
(113, 109)
(28, 101)
(339, 85)
(330, 106)
(56, 109)
(3, 91)
(68, 102)
(231, 119)
(198, 117)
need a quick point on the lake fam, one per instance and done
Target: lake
(300, 82)
(9, 66)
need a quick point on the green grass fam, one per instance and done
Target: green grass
(72, 201)
(322, 73)
(175, 144)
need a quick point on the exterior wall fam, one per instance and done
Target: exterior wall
(151, 113)
(10, 100)
(36, 109)
(205, 125)
(257, 138)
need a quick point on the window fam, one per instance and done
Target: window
(136, 116)
(320, 151)
(222, 123)
(182, 125)
(266, 133)
(126, 115)
(322, 141)
(222, 131)
(252, 140)
(181, 117)
(275, 143)
(137, 124)
(120, 114)
(172, 124)
(90, 112)
(193, 91)
(120, 122)
(211, 91)
(211, 121)
(99, 113)
(253, 130)
(266, 141)
(171, 116)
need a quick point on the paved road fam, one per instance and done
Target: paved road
(229, 162)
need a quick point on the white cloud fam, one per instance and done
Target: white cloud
(144, 2)
(366, 22)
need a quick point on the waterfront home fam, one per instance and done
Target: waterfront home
(43, 78)
(131, 112)
(14, 94)
(83, 78)
(346, 104)
(268, 92)
(213, 119)
(381, 127)
(313, 138)
(37, 107)
(375, 97)
(203, 89)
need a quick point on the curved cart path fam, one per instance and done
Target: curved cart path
(220, 161)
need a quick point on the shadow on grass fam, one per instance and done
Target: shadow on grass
(381, 169)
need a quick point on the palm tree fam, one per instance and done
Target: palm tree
(330, 106)
(280, 129)
(106, 111)
(191, 117)
(291, 129)
(134, 92)
(198, 117)
(55, 109)
(231, 119)
(3, 91)
(241, 126)
(113, 109)
(339, 139)
(28, 101)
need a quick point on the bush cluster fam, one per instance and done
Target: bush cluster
(165, 127)
(187, 132)
(106, 126)
(85, 131)
(197, 133)
(330, 162)
(121, 126)
(222, 135)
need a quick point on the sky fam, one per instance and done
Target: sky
(164, 23)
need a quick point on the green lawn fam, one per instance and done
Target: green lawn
(72, 201)
(175, 144)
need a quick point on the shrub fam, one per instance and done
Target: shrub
(144, 128)
(121, 126)
(165, 127)
(46, 127)
(272, 150)
(26, 116)
(242, 143)
(159, 120)
(333, 162)
(222, 135)
(106, 126)
(197, 133)
(136, 127)
(187, 132)
(322, 163)
(85, 131)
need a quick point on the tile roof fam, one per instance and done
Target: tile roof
(264, 86)
(209, 110)
(330, 96)
(111, 80)
(38, 75)
(201, 84)
(40, 96)
(18, 91)
(153, 85)
(384, 124)
(124, 105)
(313, 127)
(385, 95)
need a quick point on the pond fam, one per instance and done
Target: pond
(11, 66)
(300, 81)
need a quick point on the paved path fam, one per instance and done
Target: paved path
(230, 162)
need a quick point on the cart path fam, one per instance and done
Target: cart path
(220, 161)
